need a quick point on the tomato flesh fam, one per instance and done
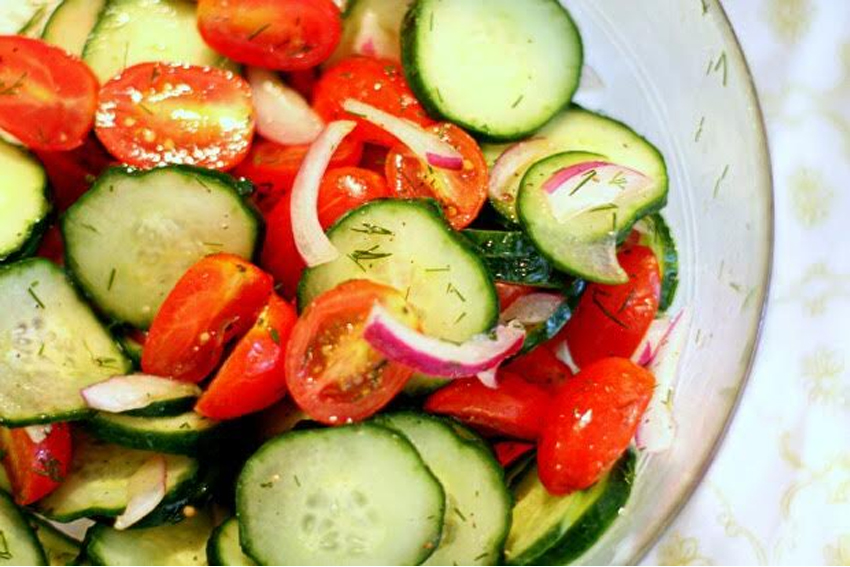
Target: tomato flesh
(509, 452)
(346, 188)
(71, 173)
(286, 35)
(216, 300)
(47, 97)
(252, 376)
(162, 113)
(540, 366)
(591, 422)
(36, 469)
(333, 374)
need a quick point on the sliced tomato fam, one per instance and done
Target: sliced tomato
(540, 366)
(47, 97)
(591, 422)
(272, 167)
(509, 452)
(52, 246)
(282, 417)
(71, 173)
(508, 293)
(346, 188)
(36, 468)
(280, 256)
(462, 193)
(286, 35)
(374, 158)
(303, 81)
(215, 301)
(252, 376)
(163, 113)
(378, 82)
(332, 373)
(611, 320)
(514, 409)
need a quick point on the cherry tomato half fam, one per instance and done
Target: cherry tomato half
(159, 113)
(591, 422)
(36, 469)
(216, 300)
(508, 293)
(332, 373)
(346, 188)
(378, 82)
(252, 376)
(509, 452)
(462, 193)
(280, 256)
(71, 173)
(286, 35)
(47, 97)
(540, 366)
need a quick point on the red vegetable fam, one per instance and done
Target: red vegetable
(540, 366)
(36, 468)
(71, 173)
(346, 188)
(509, 452)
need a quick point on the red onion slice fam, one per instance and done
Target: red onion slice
(511, 166)
(283, 116)
(145, 491)
(124, 393)
(312, 242)
(373, 40)
(592, 185)
(426, 145)
(532, 309)
(436, 357)
(38, 433)
(657, 334)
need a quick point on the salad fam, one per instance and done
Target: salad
(296, 282)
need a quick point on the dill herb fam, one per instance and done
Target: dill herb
(517, 101)
(372, 253)
(258, 31)
(720, 181)
(698, 133)
(619, 180)
(5, 554)
(111, 280)
(369, 228)
(275, 336)
(35, 297)
(15, 87)
(452, 289)
(89, 227)
(435, 270)
(606, 312)
(587, 177)
(460, 514)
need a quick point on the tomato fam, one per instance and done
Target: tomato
(282, 417)
(331, 371)
(611, 320)
(540, 366)
(303, 81)
(514, 409)
(374, 158)
(272, 167)
(508, 293)
(52, 246)
(280, 256)
(378, 82)
(216, 300)
(462, 193)
(286, 35)
(591, 422)
(163, 113)
(47, 97)
(347, 188)
(252, 376)
(36, 469)
(71, 173)
(509, 452)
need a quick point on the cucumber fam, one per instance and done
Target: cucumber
(535, 335)
(148, 396)
(26, 17)
(357, 494)
(512, 257)
(97, 483)
(174, 544)
(131, 347)
(224, 547)
(128, 32)
(478, 505)
(376, 20)
(71, 23)
(499, 68)
(59, 549)
(554, 530)
(655, 234)
(184, 434)
(23, 202)
(5, 484)
(18, 544)
(134, 233)
(53, 344)
(409, 246)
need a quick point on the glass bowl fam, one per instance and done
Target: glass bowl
(673, 70)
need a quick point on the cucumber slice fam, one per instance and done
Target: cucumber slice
(174, 544)
(134, 31)
(224, 547)
(184, 434)
(354, 495)
(23, 202)
(26, 17)
(135, 233)
(376, 20)
(148, 396)
(655, 234)
(58, 547)
(97, 483)
(71, 23)
(499, 68)
(512, 257)
(409, 246)
(54, 345)
(554, 530)
(5, 485)
(18, 544)
(478, 506)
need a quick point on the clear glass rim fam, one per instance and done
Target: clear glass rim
(654, 535)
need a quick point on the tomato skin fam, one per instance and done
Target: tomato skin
(509, 452)
(216, 300)
(280, 256)
(36, 469)
(377, 82)
(303, 81)
(286, 35)
(591, 422)
(374, 158)
(71, 173)
(52, 246)
(508, 293)
(461, 193)
(346, 188)
(514, 409)
(206, 120)
(540, 366)
(252, 376)
(272, 168)
(331, 371)
(48, 97)
(611, 320)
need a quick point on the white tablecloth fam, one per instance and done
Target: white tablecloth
(779, 491)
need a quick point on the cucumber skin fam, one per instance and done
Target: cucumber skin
(37, 524)
(165, 408)
(37, 230)
(512, 266)
(670, 260)
(185, 442)
(23, 521)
